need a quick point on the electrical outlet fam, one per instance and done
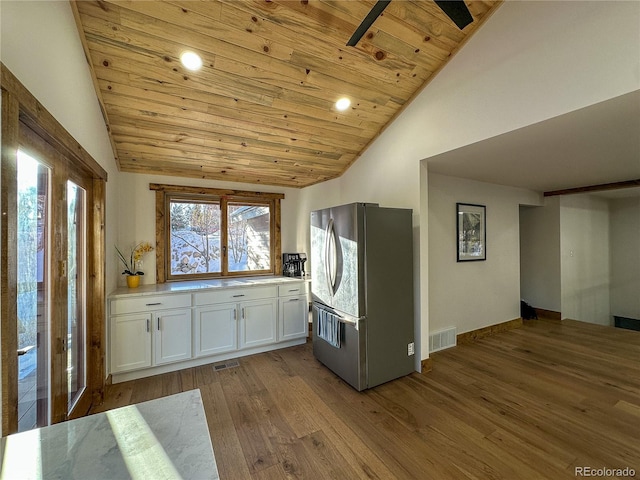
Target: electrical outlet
(410, 349)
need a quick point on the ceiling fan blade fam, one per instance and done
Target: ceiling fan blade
(457, 11)
(368, 21)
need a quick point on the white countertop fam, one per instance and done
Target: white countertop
(197, 285)
(166, 438)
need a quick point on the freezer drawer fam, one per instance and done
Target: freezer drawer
(348, 361)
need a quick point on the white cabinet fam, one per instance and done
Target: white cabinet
(163, 331)
(172, 336)
(250, 321)
(293, 318)
(143, 334)
(293, 311)
(130, 342)
(216, 329)
(257, 322)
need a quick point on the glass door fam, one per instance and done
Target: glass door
(52, 290)
(76, 298)
(33, 311)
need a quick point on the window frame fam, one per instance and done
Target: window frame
(164, 195)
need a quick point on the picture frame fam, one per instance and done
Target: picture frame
(471, 232)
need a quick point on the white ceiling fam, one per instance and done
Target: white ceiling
(594, 145)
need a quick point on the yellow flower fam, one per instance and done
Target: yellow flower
(141, 249)
(136, 255)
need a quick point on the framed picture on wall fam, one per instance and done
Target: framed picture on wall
(471, 232)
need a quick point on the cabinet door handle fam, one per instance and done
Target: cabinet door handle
(148, 326)
(158, 323)
(238, 296)
(152, 304)
(295, 290)
(243, 313)
(294, 299)
(235, 314)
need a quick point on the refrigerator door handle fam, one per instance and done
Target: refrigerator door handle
(342, 317)
(329, 251)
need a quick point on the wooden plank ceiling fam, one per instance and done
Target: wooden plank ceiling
(261, 110)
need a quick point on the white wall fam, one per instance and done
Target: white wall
(472, 295)
(137, 214)
(584, 257)
(540, 255)
(625, 257)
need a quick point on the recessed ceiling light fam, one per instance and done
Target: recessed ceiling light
(191, 60)
(343, 104)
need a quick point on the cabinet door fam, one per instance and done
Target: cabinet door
(130, 341)
(258, 322)
(216, 329)
(294, 318)
(172, 336)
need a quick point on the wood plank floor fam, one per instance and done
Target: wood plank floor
(531, 403)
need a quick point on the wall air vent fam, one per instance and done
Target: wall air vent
(442, 339)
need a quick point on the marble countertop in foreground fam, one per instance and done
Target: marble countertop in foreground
(166, 438)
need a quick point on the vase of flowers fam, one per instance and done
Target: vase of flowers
(131, 266)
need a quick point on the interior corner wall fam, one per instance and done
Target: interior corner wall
(540, 254)
(585, 258)
(625, 257)
(473, 295)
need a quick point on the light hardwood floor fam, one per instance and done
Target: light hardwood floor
(531, 403)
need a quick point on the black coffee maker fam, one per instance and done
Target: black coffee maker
(293, 264)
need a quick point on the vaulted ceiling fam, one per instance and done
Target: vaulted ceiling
(261, 110)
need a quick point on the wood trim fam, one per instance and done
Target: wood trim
(221, 192)
(426, 365)
(595, 188)
(224, 237)
(277, 237)
(161, 205)
(548, 314)
(58, 281)
(97, 327)
(8, 265)
(38, 118)
(472, 336)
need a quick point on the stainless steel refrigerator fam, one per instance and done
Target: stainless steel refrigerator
(362, 290)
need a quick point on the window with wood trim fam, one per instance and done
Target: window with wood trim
(208, 232)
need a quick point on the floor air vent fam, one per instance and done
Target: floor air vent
(442, 339)
(225, 365)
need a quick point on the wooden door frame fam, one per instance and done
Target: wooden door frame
(19, 105)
